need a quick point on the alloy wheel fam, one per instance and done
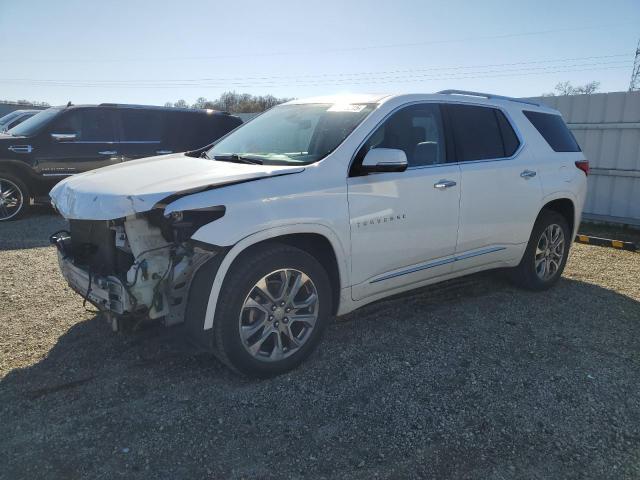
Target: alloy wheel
(278, 315)
(11, 199)
(550, 252)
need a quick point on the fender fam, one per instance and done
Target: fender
(11, 165)
(577, 202)
(267, 234)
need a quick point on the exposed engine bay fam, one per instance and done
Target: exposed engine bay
(136, 268)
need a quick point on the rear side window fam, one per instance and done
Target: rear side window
(481, 133)
(191, 130)
(554, 131)
(141, 125)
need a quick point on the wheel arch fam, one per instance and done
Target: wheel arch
(564, 206)
(318, 240)
(20, 170)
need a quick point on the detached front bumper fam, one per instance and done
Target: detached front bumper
(107, 293)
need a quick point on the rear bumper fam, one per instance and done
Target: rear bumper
(106, 293)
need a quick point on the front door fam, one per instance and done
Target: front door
(79, 140)
(404, 224)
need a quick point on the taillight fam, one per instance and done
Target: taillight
(584, 166)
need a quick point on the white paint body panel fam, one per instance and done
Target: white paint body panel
(399, 220)
(483, 222)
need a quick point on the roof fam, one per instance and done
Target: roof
(149, 107)
(346, 98)
(459, 95)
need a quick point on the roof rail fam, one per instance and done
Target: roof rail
(487, 95)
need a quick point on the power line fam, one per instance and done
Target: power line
(365, 81)
(322, 51)
(323, 75)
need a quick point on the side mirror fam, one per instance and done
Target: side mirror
(63, 137)
(380, 160)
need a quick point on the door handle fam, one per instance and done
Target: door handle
(163, 152)
(442, 184)
(528, 174)
(108, 152)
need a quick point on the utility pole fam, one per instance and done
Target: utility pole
(635, 75)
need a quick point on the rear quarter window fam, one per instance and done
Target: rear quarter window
(554, 131)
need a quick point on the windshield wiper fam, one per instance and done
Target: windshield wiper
(234, 157)
(204, 155)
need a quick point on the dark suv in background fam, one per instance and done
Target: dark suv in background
(63, 141)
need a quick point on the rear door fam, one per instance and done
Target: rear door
(86, 140)
(141, 133)
(500, 190)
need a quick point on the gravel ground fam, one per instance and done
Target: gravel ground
(473, 379)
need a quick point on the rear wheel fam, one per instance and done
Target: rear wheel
(272, 310)
(546, 255)
(14, 197)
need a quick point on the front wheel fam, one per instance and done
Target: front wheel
(546, 255)
(272, 310)
(14, 197)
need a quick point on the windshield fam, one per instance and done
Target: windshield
(8, 117)
(298, 134)
(32, 125)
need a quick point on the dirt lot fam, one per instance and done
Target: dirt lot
(474, 379)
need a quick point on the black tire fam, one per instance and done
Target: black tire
(525, 274)
(6, 214)
(246, 271)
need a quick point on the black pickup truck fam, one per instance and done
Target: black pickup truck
(63, 141)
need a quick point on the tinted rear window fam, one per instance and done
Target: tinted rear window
(191, 130)
(554, 131)
(481, 133)
(141, 125)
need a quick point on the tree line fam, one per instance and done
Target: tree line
(233, 102)
(246, 103)
(26, 103)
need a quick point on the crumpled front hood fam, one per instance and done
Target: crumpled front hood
(135, 187)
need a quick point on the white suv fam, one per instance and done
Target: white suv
(317, 207)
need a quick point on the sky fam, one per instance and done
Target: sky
(151, 52)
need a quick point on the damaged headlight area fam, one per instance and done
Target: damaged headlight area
(136, 268)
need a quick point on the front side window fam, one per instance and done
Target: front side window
(416, 130)
(89, 125)
(293, 134)
(481, 133)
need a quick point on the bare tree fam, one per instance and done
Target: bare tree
(565, 88)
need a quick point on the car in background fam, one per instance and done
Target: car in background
(15, 118)
(62, 141)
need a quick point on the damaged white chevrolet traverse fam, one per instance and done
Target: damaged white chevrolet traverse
(317, 207)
